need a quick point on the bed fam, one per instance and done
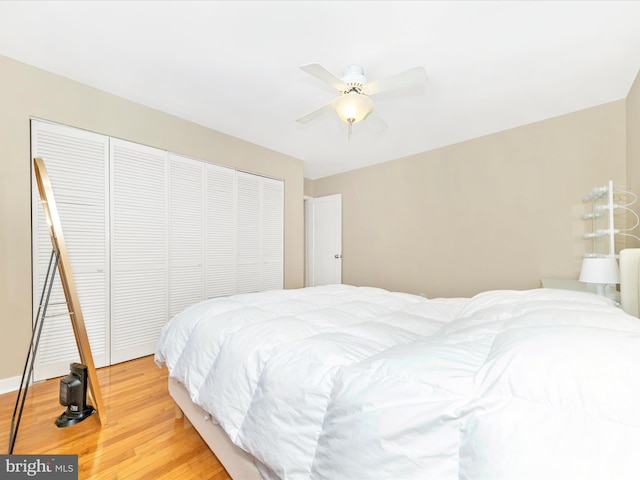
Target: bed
(355, 383)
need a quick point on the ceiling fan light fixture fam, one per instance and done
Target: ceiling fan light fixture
(353, 107)
(353, 103)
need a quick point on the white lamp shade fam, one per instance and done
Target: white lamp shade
(602, 270)
(353, 107)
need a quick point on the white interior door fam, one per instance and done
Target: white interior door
(186, 208)
(248, 233)
(139, 253)
(323, 240)
(220, 231)
(77, 164)
(272, 234)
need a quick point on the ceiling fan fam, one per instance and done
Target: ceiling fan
(353, 103)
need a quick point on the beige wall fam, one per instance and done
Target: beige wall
(26, 91)
(633, 140)
(308, 187)
(501, 211)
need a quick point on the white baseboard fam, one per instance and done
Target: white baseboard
(9, 384)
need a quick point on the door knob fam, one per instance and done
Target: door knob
(337, 255)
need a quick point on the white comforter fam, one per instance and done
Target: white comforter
(357, 383)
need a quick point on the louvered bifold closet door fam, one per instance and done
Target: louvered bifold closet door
(139, 249)
(248, 232)
(77, 164)
(220, 221)
(186, 232)
(272, 234)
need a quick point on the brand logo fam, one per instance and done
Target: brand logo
(50, 467)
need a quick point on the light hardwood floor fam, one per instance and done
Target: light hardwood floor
(141, 440)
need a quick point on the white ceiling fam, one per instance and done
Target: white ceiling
(233, 66)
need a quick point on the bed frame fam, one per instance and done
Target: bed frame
(240, 465)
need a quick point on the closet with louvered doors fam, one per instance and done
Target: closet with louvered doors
(149, 233)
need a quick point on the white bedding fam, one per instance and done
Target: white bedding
(357, 383)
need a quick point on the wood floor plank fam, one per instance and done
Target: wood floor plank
(142, 439)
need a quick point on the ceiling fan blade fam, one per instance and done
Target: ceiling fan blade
(374, 123)
(410, 78)
(316, 113)
(325, 75)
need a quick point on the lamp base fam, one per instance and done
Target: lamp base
(600, 288)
